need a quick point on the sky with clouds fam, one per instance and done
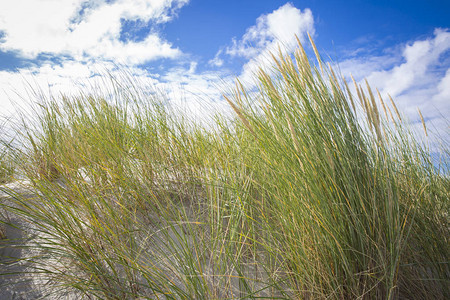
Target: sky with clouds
(193, 48)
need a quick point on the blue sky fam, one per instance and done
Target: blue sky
(192, 47)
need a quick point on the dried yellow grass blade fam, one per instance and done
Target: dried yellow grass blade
(349, 94)
(395, 107)
(316, 52)
(375, 113)
(391, 115)
(423, 122)
(382, 104)
(291, 129)
(361, 100)
(266, 81)
(270, 117)
(330, 159)
(240, 115)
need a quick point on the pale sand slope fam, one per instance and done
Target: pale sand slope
(28, 285)
(17, 279)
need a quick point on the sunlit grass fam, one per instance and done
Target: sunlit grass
(311, 192)
(6, 154)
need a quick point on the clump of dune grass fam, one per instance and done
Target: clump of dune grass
(312, 192)
(6, 155)
(134, 200)
(7, 169)
(353, 201)
(6, 166)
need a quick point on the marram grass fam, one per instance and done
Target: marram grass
(312, 192)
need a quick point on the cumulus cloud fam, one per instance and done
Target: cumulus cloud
(420, 58)
(416, 77)
(89, 34)
(443, 90)
(86, 37)
(280, 26)
(196, 93)
(277, 28)
(20, 89)
(216, 61)
(85, 28)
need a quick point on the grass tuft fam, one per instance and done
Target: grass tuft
(306, 194)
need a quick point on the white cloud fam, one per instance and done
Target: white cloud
(417, 77)
(85, 35)
(443, 90)
(361, 66)
(216, 61)
(81, 28)
(419, 59)
(278, 28)
(89, 31)
(70, 78)
(198, 94)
